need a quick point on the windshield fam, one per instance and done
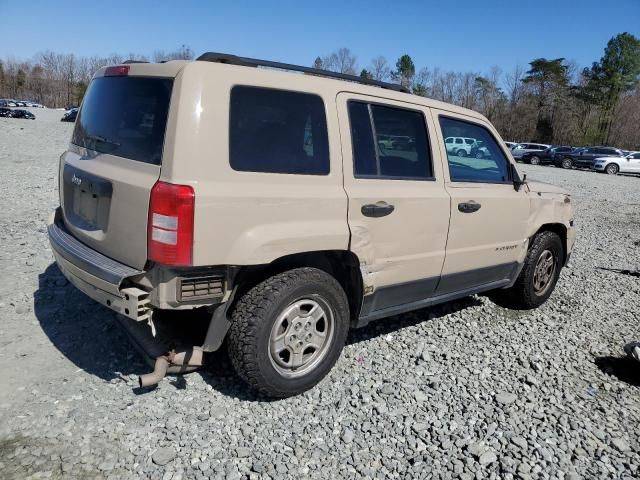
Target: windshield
(125, 116)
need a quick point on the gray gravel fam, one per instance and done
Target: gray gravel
(466, 390)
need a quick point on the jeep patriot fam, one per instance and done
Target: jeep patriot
(273, 198)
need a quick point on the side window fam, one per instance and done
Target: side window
(636, 155)
(448, 140)
(277, 131)
(493, 167)
(401, 146)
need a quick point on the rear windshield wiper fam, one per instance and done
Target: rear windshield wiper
(101, 139)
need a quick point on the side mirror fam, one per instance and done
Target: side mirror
(517, 181)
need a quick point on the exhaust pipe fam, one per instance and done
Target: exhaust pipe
(158, 373)
(173, 362)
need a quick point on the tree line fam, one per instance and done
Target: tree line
(550, 101)
(59, 80)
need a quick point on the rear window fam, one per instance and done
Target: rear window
(125, 116)
(277, 131)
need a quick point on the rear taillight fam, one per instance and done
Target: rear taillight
(170, 226)
(116, 71)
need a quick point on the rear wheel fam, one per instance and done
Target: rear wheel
(461, 153)
(535, 160)
(567, 163)
(288, 331)
(612, 169)
(538, 276)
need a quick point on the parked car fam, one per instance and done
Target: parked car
(70, 116)
(479, 150)
(459, 146)
(545, 156)
(584, 157)
(250, 213)
(19, 113)
(5, 112)
(519, 150)
(630, 163)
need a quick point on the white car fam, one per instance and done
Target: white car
(614, 165)
(460, 146)
(519, 150)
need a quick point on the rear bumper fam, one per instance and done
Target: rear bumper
(96, 275)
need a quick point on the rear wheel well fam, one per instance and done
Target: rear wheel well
(561, 231)
(343, 265)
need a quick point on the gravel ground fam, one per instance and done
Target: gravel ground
(465, 390)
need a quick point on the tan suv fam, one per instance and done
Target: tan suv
(272, 199)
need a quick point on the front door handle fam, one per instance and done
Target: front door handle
(376, 210)
(469, 207)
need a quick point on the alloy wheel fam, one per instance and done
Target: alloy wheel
(301, 336)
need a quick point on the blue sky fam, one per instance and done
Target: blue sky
(462, 35)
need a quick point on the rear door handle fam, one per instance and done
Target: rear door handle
(469, 207)
(376, 210)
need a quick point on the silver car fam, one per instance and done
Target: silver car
(519, 150)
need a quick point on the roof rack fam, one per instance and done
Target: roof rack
(126, 62)
(255, 62)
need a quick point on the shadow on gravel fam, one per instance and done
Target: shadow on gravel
(385, 326)
(89, 335)
(82, 330)
(624, 369)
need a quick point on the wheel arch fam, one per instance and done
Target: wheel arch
(559, 229)
(343, 265)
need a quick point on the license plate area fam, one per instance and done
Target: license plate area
(85, 205)
(87, 198)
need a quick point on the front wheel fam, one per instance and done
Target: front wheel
(612, 169)
(567, 163)
(287, 332)
(461, 153)
(538, 276)
(535, 160)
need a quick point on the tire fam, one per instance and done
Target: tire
(535, 160)
(528, 292)
(269, 333)
(567, 163)
(612, 169)
(479, 154)
(461, 153)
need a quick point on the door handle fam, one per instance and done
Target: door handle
(376, 210)
(469, 207)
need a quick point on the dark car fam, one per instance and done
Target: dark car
(584, 157)
(19, 113)
(5, 112)
(546, 156)
(70, 116)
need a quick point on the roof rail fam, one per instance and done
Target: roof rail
(126, 62)
(254, 62)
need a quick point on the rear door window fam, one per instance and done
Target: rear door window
(125, 116)
(406, 156)
(277, 131)
(493, 167)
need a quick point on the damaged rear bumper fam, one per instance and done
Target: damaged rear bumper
(98, 276)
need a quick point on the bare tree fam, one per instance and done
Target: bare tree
(341, 61)
(182, 53)
(379, 68)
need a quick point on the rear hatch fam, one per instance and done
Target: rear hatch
(114, 160)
